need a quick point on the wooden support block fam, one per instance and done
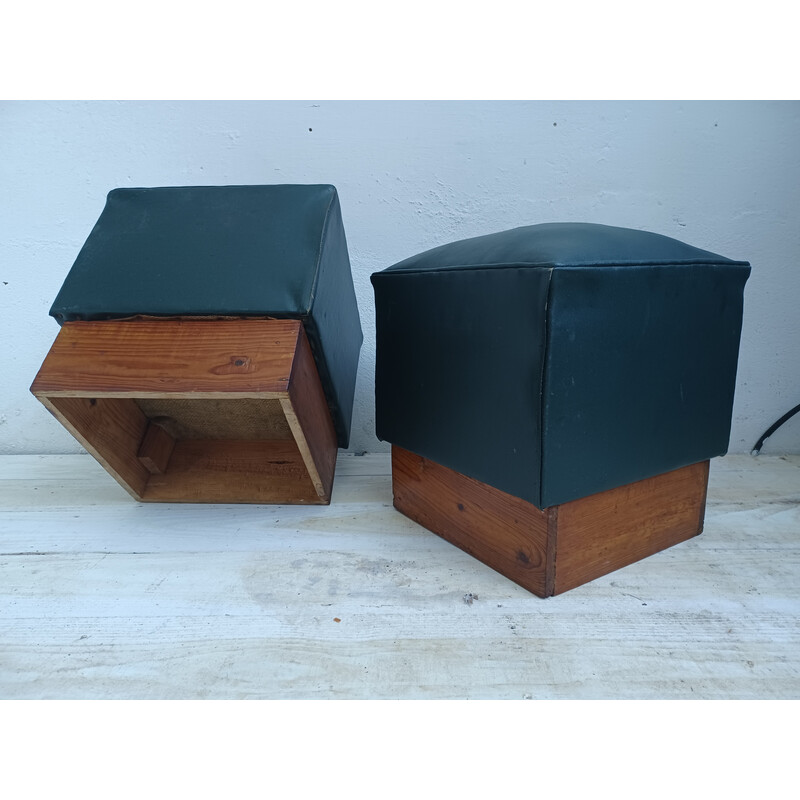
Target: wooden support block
(549, 551)
(187, 410)
(156, 448)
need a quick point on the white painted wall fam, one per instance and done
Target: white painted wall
(724, 176)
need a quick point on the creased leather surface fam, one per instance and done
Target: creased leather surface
(640, 373)
(226, 251)
(554, 244)
(552, 380)
(458, 375)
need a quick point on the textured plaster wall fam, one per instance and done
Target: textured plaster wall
(722, 176)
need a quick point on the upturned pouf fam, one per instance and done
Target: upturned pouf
(553, 394)
(209, 343)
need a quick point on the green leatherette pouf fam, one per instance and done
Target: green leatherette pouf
(556, 361)
(227, 251)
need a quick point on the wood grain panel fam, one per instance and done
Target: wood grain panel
(308, 416)
(559, 548)
(217, 471)
(606, 531)
(111, 429)
(149, 358)
(504, 532)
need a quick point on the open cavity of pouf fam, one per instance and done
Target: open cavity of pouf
(209, 343)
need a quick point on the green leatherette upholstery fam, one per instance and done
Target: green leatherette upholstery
(556, 361)
(249, 251)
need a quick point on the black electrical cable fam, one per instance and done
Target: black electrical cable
(772, 428)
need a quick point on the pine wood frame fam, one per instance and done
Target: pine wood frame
(97, 374)
(553, 550)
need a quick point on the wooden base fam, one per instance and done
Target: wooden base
(187, 410)
(556, 549)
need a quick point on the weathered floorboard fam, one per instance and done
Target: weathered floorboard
(101, 597)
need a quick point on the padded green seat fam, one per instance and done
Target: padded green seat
(227, 251)
(560, 360)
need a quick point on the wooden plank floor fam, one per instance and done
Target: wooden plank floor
(101, 597)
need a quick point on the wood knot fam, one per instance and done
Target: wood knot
(530, 559)
(235, 365)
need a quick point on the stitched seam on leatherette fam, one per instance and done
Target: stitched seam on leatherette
(319, 253)
(543, 372)
(559, 265)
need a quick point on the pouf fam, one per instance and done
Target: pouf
(545, 365)
(209, 343)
